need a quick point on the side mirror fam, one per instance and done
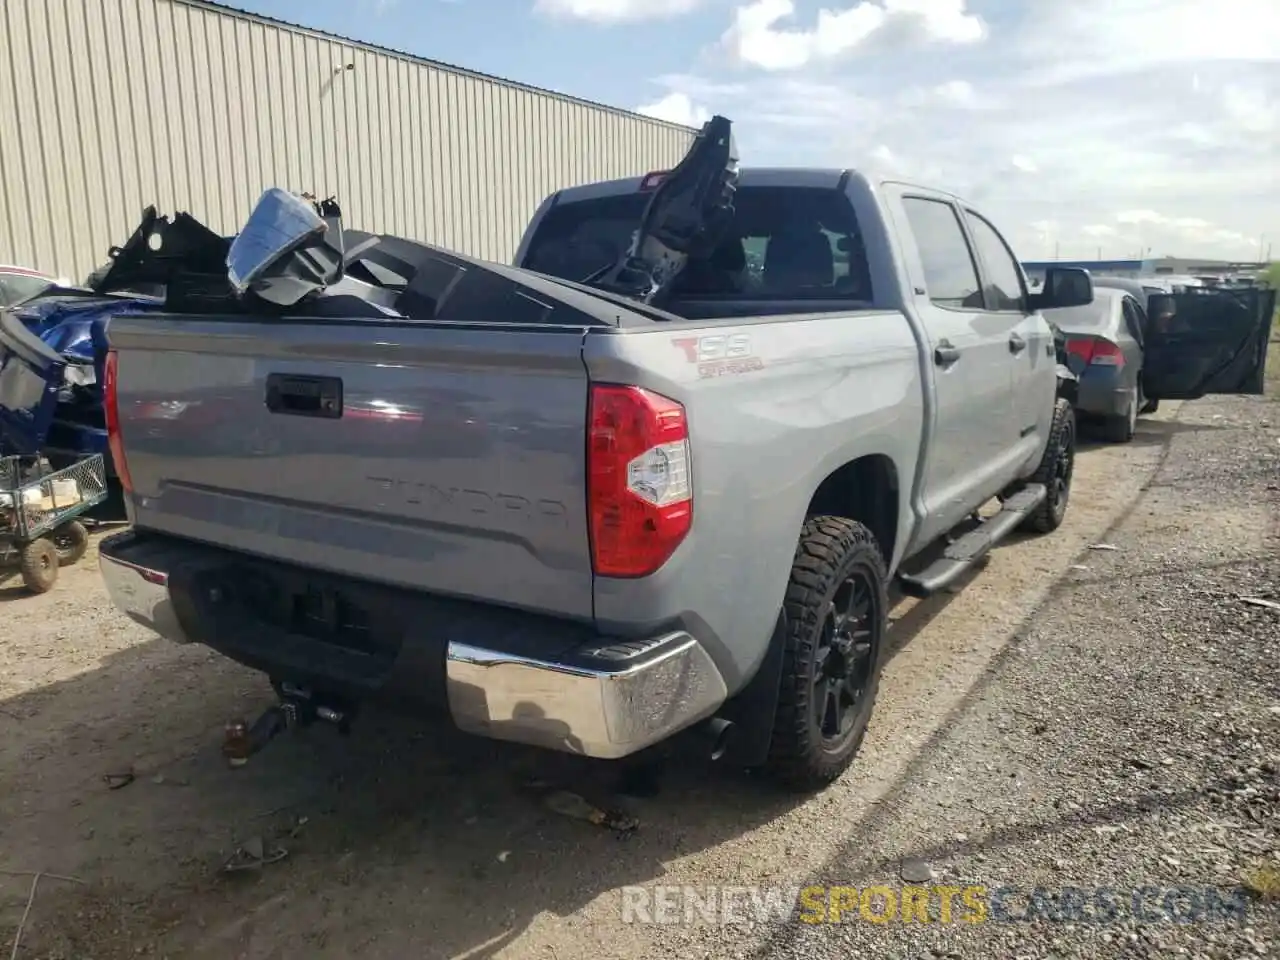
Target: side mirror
(1063, 287)
(286, 250)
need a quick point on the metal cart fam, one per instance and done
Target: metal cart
(40, 507)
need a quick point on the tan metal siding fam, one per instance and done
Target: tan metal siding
(106, 107)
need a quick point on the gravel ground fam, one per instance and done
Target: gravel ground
(1035, 705)
(1129, 737)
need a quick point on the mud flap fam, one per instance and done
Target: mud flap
(753, 710)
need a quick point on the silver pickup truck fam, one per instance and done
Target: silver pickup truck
(656, 478)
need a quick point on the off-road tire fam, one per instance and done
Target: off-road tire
(39, 565)
(1120, 429)
(830, 551)
(71, 540)
(1062, 441)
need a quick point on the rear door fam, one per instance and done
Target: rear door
(1207, 341)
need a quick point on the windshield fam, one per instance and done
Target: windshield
(785, 243)
(1091, 317)
(16, 288)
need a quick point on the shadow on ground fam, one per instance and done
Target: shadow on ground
(1150, 433)
(411, 839)
(405, 839)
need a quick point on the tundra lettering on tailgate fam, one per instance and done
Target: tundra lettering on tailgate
(718, 354)
(447, 503)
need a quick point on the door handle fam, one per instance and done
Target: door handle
(304, 396)
(1016, 344)
(944, 355)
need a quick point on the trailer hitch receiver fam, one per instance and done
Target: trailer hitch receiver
(297, 707)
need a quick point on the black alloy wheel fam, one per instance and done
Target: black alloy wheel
(843, 661)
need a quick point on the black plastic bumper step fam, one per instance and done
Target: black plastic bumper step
(974, 545)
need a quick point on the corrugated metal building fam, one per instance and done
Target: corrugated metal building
(106, 107)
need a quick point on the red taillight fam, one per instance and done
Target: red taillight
(639, 489)
(112, 409)
(651, 180)
(1094, 351)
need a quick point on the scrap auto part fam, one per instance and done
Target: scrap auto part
(289, 250)
(161, 252)
(685, 218)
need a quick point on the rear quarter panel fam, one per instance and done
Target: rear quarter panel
(806, 395)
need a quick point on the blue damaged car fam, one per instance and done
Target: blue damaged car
(63, 329)
(53, 345)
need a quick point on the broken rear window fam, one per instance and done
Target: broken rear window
(785, 243)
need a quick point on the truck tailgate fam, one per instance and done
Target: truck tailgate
(440, 457)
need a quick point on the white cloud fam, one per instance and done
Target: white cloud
(1250, 110)
(959, 92)
(881, 160)
(954, 93)
(1138, 217)
(676, 108)
(756, 38)
(1101, 123)
(1135, 233)
(1194, 133)
(615, 11)
(1094, 38)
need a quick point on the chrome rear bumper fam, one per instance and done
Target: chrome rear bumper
(140, 591)
(607, 701)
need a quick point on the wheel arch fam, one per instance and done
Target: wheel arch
(865, 489)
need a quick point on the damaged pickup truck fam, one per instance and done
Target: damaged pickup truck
(629, 489)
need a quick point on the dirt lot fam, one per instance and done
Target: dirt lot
(1016, 716)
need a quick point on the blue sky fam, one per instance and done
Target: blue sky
(506, 38)
(1082, 126)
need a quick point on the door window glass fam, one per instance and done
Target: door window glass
(1004, 276)
(950, 275)
(1132, 320)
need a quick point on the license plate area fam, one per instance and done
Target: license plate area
(321, 608)
(329, 631)
(330, 615)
